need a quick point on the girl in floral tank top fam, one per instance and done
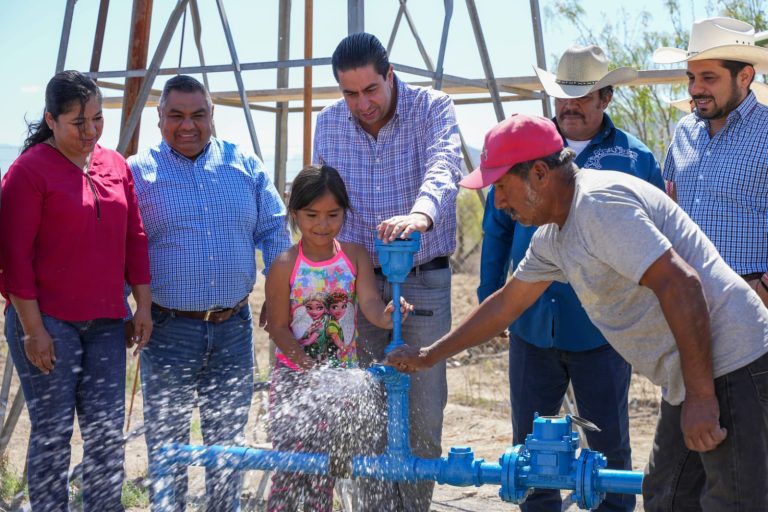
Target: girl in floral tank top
(313, 293)
(324, 309)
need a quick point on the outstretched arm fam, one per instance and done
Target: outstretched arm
(491, 317)
(681, 297)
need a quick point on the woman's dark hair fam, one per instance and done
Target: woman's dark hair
(311, 183)
(63, 91)
(357, 51)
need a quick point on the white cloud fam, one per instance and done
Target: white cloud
(31, 89)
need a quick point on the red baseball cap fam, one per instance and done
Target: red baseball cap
(519, 138)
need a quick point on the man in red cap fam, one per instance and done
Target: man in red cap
(660, 293)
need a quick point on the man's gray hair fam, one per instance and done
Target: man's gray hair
(184, 83)
(560, 160)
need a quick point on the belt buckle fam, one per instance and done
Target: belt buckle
(208, 313)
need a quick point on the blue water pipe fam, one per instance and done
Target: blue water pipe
(547, 459)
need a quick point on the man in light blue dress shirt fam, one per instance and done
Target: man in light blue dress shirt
(397, 148)
(207, 206)
(717, 163)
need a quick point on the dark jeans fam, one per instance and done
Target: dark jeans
(538, 380)
(88, 377)
(733, 476)
(188, 358)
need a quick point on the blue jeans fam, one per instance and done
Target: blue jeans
(538, 380)
(88, 377)
(187, 359)
(733, 476)
(430, 291)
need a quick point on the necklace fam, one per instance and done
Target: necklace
(52, 142)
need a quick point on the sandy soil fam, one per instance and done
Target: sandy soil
(477, 415)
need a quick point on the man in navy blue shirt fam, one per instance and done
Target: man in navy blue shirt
(554, 343)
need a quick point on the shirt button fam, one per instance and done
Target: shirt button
(210, 258)
(553, 300)
(378, 160)
(213, 283)
(378, 188)
(201, 186)
(209, 233)
(697, 200)
(205, 208)
(708, 152)
(701, 176)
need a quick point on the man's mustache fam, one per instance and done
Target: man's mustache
(570, 113)
(702, 97)
(510, 211)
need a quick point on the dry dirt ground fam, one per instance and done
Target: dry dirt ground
(477, 415)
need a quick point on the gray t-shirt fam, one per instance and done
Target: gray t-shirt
(617, 227)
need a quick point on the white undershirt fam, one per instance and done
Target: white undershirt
(577, 145)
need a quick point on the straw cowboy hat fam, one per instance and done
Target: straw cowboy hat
(581, 70)
(718, 38)
(760, 89)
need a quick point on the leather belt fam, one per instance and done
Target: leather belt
(214, 316)
(438, 263)
(752, 277)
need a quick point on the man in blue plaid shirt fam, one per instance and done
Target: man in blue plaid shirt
(717, 164)
(207, 206)
(397, 148)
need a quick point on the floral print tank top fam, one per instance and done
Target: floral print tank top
(324, 309)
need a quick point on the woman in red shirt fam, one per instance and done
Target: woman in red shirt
(70, 237)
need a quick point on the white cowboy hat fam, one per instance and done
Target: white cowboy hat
(760, 89)
(718, 38)
(581, 70)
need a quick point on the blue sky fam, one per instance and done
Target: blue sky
(30, 32)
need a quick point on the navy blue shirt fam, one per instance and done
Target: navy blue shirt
(557, 318)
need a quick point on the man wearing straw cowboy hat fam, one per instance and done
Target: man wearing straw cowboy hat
(717, 164)
(554, 343)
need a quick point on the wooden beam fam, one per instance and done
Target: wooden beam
(527, 83)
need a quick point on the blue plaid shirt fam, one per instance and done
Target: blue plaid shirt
(204, 219)
(722, 182)
(413, 166)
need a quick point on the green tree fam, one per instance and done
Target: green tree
(643, 111)
(751, 11)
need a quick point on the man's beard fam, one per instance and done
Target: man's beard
(720, 112)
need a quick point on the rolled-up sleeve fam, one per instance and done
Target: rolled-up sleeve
(136, 244)
(443, 161)
(20, 215)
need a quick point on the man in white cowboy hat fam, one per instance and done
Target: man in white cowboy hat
(717, 164)
(657, 288)
(554, 343)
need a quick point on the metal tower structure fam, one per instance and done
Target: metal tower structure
(141, 70)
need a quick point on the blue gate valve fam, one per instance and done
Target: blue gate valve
(396, 260)
(547, 460)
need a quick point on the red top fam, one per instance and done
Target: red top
(68, 241)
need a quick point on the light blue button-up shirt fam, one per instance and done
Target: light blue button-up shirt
(414, 165)
(722, 182)
(205, 218)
